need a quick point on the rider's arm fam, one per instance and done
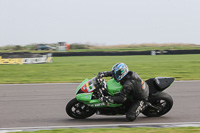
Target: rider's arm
(123, 95)
(105, 74)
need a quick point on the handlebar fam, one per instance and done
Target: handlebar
(102, 85)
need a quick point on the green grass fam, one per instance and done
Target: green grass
(77, 68)
(123, 130)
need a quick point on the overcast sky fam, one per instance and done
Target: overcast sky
(99, 21)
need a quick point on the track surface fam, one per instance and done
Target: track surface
(35, 105)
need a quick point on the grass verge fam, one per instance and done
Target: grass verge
(123, 130)
(77, 68)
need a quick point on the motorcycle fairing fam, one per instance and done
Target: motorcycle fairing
(159, 84)
(88, 87)
(78, 88)
(163, 82)
(113, 87)
(84, 93)
(86, 98)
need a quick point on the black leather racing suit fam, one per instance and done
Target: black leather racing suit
(134, 85)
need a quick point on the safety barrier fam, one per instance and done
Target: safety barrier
(102, 53)
(25, 58)
(155, 52)
(36, 58)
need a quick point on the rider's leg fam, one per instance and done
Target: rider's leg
(134, 110)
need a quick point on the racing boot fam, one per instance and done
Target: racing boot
(130, 116)
(135, 109)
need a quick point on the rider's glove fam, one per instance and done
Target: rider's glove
(106, 99)
(100, 75)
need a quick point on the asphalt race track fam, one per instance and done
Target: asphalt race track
(33, 105)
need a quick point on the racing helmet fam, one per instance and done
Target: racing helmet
(119, 70)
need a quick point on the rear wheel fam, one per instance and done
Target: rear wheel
(78, 110)
(163, 103)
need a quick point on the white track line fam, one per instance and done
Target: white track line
(178, 124)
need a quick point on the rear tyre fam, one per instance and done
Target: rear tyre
(162, 101)
(78, 110)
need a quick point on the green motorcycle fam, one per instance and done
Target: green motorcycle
(86, 102)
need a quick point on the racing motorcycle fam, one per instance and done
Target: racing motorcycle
(86, 103)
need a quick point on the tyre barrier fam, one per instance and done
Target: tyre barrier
(25, 58)
(155, 52)
(183, 51)
(102, 53)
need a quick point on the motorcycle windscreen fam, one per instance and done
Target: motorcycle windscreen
(163, 82)
(87, 86)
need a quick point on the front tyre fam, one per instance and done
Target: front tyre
(162, 101)
(78, 110)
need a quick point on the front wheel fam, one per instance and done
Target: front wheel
(163, 103)
(78, 110)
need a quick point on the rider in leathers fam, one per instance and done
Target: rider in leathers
(132, 84)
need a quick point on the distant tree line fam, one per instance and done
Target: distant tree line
(79, 46)
(18, 47)
(137, 47)
(33, 47)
